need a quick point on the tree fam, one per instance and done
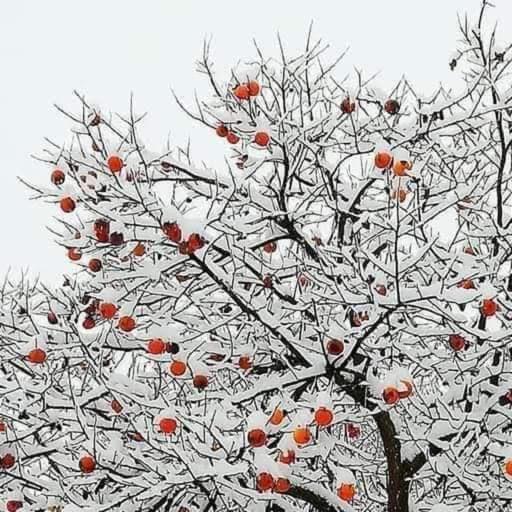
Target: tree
(296, 332)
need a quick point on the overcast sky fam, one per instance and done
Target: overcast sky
(109, 48)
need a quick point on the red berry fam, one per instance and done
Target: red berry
(457, 342)
(282, 485)
(172, 231)
(256, 437)
(177, 368)
(58, 177)
(245, 362)
(74, 254)
(242, 92)
(200, 382)
(67, 204)
(222, 131)
(195, 242)
(88, 322)
(270, 247)
(115, 163)
(139, 249)
(87, 464)
(108, 310)
(254, 88)
(262, 139)
(52, 318)
(116, 239)
(390, 395)
(156, 346)
(489, 307)
(392, 107)
(36, 356)
(287, 457)
(232, 138)
(168, 425)
(264, 482)
(7, 461)
(323, 417)
(13, 505)
(348, 106)
(126, 323)
(335, 347)
(116, 406)
(95, 265)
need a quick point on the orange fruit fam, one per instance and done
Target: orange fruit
(256, 437)
(177, 368)
(115, 163)
(36, 356)
(67, 204)
(383, 160)
(346, 492)
(87, 464)
(302, 435)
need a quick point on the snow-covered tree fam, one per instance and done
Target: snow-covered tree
(322, 325)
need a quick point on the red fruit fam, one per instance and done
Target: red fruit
(177, 368)
(172, 231)
(195, 242)
(264, 482)
(7, 461)
(168, 425)
(136, 436)
(232, 138)
(390, 395)
(287, 457)
(89, 322)
(400, 167)
(335, 347)
(116, 239)
(52, 318)
(245, 362)
(13, 505)
(347, 106)
(381, 289)
(115, 163)
(508, 467)
(323, 417)
(172, 348)
(95, 265)
(156, 346)
(200, 381)
(282, 485)
(466, 284)
(87, 464)
(267, 281)
(353, 431)
(74, 254)
(58, 177)
(183, 248)
(303, 280)
(392, 107)
(262, 139)
(242, 92)
(346, 492)
(277, 416)
(489, 307)
(383, 160)
(254, 88)
(222, 131)
(126, 323)
(108, 310)
(256, 437)
(457, 342)
(67, 204)
(116, 406)
(36, 356)
(302, 435)
(469, 250)
(270, 247)
(139, 249)
(3, 428)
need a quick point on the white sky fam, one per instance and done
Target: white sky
(109, 48)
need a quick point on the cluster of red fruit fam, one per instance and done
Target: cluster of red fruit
(106, 311)
(384, 160)
(173, 232)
